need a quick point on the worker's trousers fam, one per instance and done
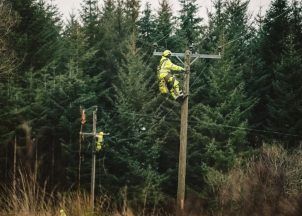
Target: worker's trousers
(168, 82)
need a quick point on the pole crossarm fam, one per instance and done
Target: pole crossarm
(206, 56)
(92, 134)
(182, 55)
(88, 134)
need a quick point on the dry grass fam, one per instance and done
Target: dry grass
(28, 198)
(31, 199)
(269, 184)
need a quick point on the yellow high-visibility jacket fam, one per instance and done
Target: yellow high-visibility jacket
(165, 67)
(100, 140)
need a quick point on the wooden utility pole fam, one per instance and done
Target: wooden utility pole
(83, 121)
(184, 124)
(93, 157)
(94, 135)
(93, 147)
(15, 165)
(183, 138)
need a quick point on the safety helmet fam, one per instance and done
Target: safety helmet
(167, 53)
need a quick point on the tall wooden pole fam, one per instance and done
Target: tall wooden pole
(93, 147)
(93, 159)
(183, 139)
(15, 165)
(184, 124)
(79, 164)
(52, 161)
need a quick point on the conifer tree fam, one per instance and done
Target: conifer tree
(74, 42)
(115, 31)
(283, 105)
(91, 89)
(135, 144)
(9, 93)
(215, 26)
(296, 22)
(275, 30)
(190, 28)
(146, 28)
(164, 26)
(90, 15)
(253, 78)
(219, 119)
(64, 88)
(98, 41)
(209, 42)
(132, 8)
(36, 37)
(272, 37)
(36, 40)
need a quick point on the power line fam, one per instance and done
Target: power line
(209, 124)
(203, 122)
(236, 39)
(246, 128)
(196, 78)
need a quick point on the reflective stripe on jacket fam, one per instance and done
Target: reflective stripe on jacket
(165, 67)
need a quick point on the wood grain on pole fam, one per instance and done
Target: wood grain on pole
(183, 140)
(93, 159)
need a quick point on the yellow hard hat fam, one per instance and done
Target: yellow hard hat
(167, 53)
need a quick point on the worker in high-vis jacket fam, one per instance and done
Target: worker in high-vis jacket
(168, 82)
(100, 140)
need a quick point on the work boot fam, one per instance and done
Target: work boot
(180, 98)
